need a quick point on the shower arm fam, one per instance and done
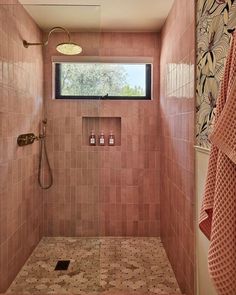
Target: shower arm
(27, 44)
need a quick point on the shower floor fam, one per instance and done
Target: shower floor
(97, 265)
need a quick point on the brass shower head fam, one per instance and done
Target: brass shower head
(67, 48)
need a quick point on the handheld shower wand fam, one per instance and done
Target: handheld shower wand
(43, 148)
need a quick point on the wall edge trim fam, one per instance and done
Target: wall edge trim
(202, 149)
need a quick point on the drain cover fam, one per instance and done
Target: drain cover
(62, 264)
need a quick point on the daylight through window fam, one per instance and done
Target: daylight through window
(89, 80)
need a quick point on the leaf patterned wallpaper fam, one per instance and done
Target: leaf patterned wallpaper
(215, 21)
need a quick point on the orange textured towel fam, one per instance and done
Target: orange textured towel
(218, 212)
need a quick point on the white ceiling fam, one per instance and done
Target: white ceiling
(95, 15)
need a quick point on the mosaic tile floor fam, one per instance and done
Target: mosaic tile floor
(97, 265)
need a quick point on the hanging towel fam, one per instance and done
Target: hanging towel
(218, 212)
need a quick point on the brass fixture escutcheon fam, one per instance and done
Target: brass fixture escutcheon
(25, 139)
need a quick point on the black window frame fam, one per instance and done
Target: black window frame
(148, 95)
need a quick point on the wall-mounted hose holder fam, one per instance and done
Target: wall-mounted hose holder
(25, 139)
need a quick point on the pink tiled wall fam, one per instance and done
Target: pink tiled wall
(177, 141)
(104, 190)
(21, 86)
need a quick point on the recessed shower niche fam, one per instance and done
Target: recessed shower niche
(101, 124)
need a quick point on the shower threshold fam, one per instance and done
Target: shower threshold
(107, 265)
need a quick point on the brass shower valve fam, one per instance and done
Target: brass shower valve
(25, 139)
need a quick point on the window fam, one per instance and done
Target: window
(92, 80)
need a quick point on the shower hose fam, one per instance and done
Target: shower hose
(43, 149)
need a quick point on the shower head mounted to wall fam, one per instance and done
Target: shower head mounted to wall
(67, 48)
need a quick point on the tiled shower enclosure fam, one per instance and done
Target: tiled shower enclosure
(114, 203)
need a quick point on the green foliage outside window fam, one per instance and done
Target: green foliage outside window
(91, 79)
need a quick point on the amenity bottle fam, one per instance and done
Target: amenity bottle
(111, 139)
(92, 138)
(101, 138)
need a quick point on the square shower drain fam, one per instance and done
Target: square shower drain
(62, 264)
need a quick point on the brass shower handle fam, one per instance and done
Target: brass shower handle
(25, 139)
(33, 137)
